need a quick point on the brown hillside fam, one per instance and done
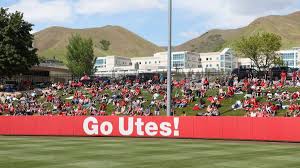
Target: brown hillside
(288, 27)
(52, 42)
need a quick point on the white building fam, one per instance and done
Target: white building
(245, 63)
(291, 58)
(224, 61)
(108, 66)
(115, 65)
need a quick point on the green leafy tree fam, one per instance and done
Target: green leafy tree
(17, 54)
(80, 55)
(105, 44)
(260, 48)
(279, 62)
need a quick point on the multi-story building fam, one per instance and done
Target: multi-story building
(113, 65)
(218, 61)
(224, 61)
(108, 66)
(245, 63)
(291, 58)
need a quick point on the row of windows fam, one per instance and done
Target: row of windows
(149, 62)
(122, 63)
(222, 57)
(178, 56)
(290, 56)
(222, 66)
(178, 64)
(210, 65)
(100, 66)
(290, 63)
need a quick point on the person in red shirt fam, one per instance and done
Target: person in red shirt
(49, 98)
(246, 83)
(295, 96)
(137, 91)
(283, 77)
(206, 83)
(230, 91)
(196, 108)
(253, 101)
(11, 110)
(294, 78)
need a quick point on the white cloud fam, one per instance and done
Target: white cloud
(41, 11)
(234, 13)
(205, 14)
(90, 7)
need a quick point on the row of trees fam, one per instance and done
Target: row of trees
(17, 54)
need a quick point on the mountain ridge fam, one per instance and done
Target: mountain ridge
(287, 26)
(52, 41)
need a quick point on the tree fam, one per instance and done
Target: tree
(80, 55)
(260, 48)
(17, 54)
(105, 44)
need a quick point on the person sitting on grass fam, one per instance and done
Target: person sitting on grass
(230, 92)
(237, 105)
(196, 107)
(183, 103)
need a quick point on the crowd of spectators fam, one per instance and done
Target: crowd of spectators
(260, 98)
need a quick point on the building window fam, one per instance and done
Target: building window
(217, 65)
(100, 61)
(222, 64)
(178, 57)
(145, 62)
(210, 58)
(155, 62)
(149, 62)
(206, 59)
(178, 64)
(140, 63)
(206, 66)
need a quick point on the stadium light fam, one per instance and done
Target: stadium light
(169, 71)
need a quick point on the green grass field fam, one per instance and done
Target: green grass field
(65, 152)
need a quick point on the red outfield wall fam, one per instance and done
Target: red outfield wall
(270, 129)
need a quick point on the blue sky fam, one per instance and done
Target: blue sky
(148, 18)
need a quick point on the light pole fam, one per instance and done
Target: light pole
(169, 70)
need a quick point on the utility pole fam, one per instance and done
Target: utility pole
(169, 77)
